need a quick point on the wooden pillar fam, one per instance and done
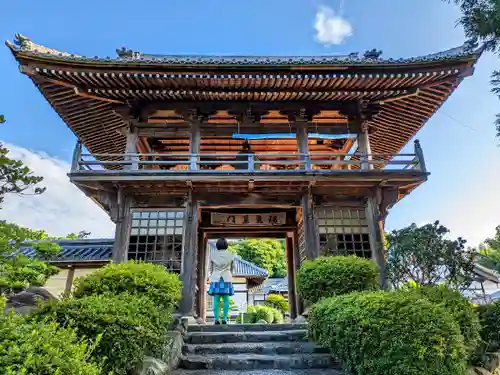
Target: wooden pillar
(201, 298)
(365, 148)
(419, 153)
(194, 145)
(292, 291)
(189, 255)
(69, 281)
(310, 226)
(131, 148)
(77, 155)
(303, 145)
(122, 216)
(299, 304)
(376, 233)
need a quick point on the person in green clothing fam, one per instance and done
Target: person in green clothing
(221, 279)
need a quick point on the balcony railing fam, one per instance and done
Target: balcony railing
(246, 163)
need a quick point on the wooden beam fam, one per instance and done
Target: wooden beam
(251, 199)
(171, 130)
(210, 107)
(350, 177)
(95, 97)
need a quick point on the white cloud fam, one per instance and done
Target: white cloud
(330, 27)
(62, 208)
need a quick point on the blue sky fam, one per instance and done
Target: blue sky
(459, 142)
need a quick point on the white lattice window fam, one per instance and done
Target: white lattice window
(343, 231)
(156, 236)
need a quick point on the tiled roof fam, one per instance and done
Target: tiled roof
(277, 285)
(87, 250)
(243, 268)
(129, 57)
(78, 250)
(486, 274)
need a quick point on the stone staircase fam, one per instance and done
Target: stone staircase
(253, 349)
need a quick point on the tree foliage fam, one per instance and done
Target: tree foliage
(15, 177)
(265, 253)
(425, 255)
(489, 251)
(481, 22)
(18, 271)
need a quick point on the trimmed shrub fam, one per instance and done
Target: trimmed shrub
(489, 318)
(131, 326)
(336, 275)
(42, 348)
(255, 314)
(142, 278)
(264, 313)
(246, 318)
(277, 301)
(460, 307)
(381, 333)
(278, 316)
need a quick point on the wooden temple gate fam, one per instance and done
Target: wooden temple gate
(172, 142)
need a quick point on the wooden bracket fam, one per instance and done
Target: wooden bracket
(387, 197)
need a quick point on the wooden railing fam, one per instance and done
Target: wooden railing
(246, 163)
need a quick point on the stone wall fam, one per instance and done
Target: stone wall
(172, 351)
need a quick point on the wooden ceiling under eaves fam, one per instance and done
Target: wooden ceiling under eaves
(86, 95)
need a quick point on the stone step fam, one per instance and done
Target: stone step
(249, 336)
(269, 348)
(260, 372)
(244, 327)
(258, 361)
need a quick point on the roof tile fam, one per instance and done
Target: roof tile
(101, 250)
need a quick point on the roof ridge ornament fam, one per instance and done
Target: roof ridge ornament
(24, 44)
(373, 54)
(124, 53)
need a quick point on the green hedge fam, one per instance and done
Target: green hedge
(140, 278)
(131, 326)
(460, 307)
(42, 348)
(336, 275)
(382, 333)
(277, 301)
